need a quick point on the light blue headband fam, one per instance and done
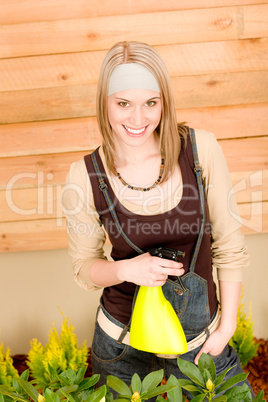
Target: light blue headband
(131, 76)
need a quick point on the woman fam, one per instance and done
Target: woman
(146, 165)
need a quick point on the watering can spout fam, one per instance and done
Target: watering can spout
(155, 326)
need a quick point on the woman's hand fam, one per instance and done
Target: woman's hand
(146, 270)
(143, 270)
(229, 297)
(215, 343)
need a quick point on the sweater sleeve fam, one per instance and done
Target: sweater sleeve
(85, 234)
(229, 254)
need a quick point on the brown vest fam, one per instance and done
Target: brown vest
(177, 228)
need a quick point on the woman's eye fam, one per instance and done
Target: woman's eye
(123, 104)
(150, 103)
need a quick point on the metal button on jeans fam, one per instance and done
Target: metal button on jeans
(180, 292)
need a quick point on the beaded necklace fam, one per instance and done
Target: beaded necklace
(146, 188)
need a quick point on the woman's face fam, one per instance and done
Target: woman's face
(134, 115)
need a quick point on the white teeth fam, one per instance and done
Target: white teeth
(130, 130)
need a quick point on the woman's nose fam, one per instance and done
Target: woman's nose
(137, 117)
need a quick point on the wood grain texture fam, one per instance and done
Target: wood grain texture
(249, 154)
(33, 235)
(229, 121)
(250, 186)
(37, 10)
(37, 170)
(51, 137)
(158, 28)
(82, 134)
(24, 204)
(79, 101)
(47, 104)
(182, 60)
(254, 217)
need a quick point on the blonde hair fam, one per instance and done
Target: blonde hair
(169, 131)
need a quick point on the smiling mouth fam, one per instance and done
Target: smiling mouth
(131, 131)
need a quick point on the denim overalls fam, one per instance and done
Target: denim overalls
(195, 301)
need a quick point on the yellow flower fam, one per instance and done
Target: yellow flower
(41, 398)
(135, 397)
(209, 385)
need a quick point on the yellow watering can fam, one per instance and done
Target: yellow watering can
(155, 326)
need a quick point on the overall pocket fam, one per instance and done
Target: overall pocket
(106, 349)
(191, 306)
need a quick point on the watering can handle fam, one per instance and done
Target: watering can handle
(169, 254)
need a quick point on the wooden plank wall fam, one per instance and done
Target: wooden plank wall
(50, 56)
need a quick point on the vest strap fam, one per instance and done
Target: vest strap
(104, 188)
(198, 173)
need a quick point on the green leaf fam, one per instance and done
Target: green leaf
(189, 386)
(85, 395)
(122, 399)
(109, 396)
(17, 387)
(52, 373)
(67, 389)
(221, 398)
(248, 397)
(4, 398)
(136, 383)
(199, 398)
(191, 371)
(70, 373)
(207, 376)
(10, 394)
(89, 382)
(15, 396)
(152, 380)
(205, 362)
(160, 399)
(69, 397)
(80, 375)
(157, 391)
(259, 397)
(221, 377)
(63, 378)
(29, 389)
(67, 376)
(238, 393)
(25, 375)
(174, 395)
(118, 385)
(97, 395)
(50, 396)
(53, 386)
(232, 381)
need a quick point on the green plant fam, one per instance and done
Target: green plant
(68, 386)
(204, 385)
(7, 370)
(72, 386)
(173, 395)
(139, 390)
(243, 338)
(61, 352)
